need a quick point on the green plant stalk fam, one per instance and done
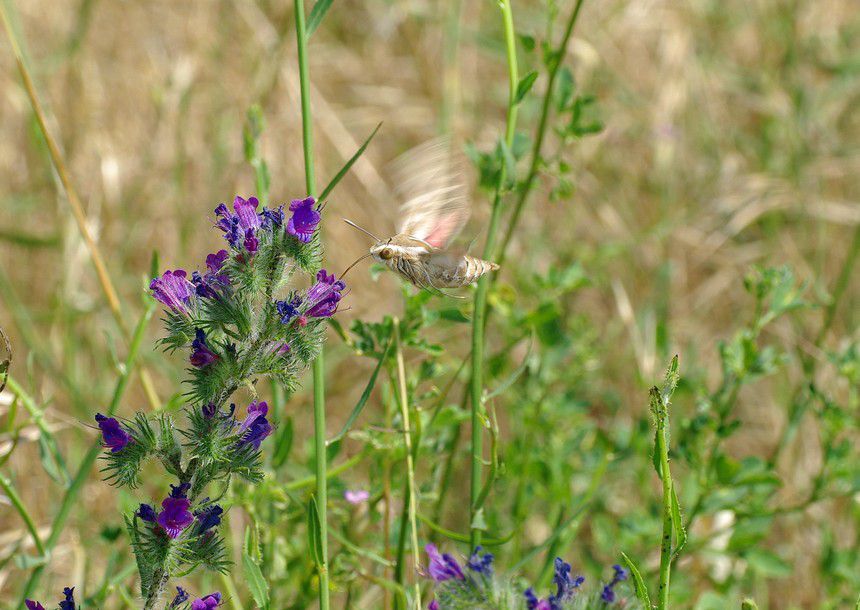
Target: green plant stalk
(81, 476)
(480, 308)
(319, 363)
(662, 449)
(412, 508)
(540, 132)
(16, 501)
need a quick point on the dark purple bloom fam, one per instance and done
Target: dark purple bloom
(565, 585)
(31, 605)
(251, 243)
(289, 309)
(270, 219)
(229, 224)
(324, 296)
(283, 349)
(304, 219)
(112, 433)
(246, 212)
(209, 410)
(213, 600)
(69, 602)
(175, 516)
(201, 355)
(181, 597)
(173, 289)
(146, 512)
(443, 567)
(255, 427)
(207, 286)
(208, 518)
(608, 594)
(180, 491)
(482, 564)
(533, 603)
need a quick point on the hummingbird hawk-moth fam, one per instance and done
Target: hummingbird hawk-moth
(434, 208)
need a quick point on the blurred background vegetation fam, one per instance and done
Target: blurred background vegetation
(726, 137)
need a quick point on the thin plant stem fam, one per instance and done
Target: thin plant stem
(480, 308)
(540, 132)
(319, 363)
(75, 204)
(77, 484)
(666, 539)
(412, 508)
(16, 501)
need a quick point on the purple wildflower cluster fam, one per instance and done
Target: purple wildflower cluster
(242, 226)
(207, 602)
(320, 301)
(68, 602)
(175, 515)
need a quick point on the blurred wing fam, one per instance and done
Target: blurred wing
(430, 182)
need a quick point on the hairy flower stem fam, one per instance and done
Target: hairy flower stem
(319, 363)
(662, 449)
(540, 132)
(480, 309)
(412, 507)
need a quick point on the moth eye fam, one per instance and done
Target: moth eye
(385, 254)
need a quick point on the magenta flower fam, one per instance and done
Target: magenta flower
(246, 212)
(356, 496)
(112, 433)
(304, 219)
(324, 296)
(173, 289)
(213, 600)
(201, 355)
(175, 516)
(443, 567)
(433, 605)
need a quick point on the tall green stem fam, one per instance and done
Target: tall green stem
(319, 366)
(666, 539)
(480, 312)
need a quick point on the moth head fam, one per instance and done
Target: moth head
(382, 251)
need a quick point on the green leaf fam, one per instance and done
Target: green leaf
(330, 187)
(639, 586)
(525, 85)
(314, 533)
(677, 525)
(749, 604)
(316, 16)
(365, 395)
(256, 582)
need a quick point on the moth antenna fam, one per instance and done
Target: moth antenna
(354, 263)
(352, 224)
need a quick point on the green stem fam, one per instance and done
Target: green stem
(412, 508)
(319, 363)
(666, 540)
(540, 131)
(480, 310)
(15, 499)
(77, 483)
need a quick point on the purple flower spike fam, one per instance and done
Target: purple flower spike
(112, 433)
(608, 594)
(443, 567)
(356, 496)
(482, 564)
(208, 518)
(175, 516)
(229, 224)
(272, 219)
(565, 585)
(146, 513)
(246, 212)
(181, 597)
(213, 600)
(69, 602)
(304, 219)
(173, 289)
(324, 296)
(201, 355)
(31, 605)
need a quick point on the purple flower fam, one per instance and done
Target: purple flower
(356, 496)
(112, 433)
(69, 602)
(213, 600)
(608, 594)
(533, 603)
(147, 513)
(289, 309)
(208, 518)
(209, 410)
(181, 597)
(173, 289)
(443, 567)
(207, 286)
(433, 605)
(482, 564)
(282, 349)
(175, 516)
(201, 355)
(229, 223)
(324, 296)
(31, 605)
(272, 218)
(304, 219)
(251, 243)
(180, 491)
(565, 585)
(246, 211)
(255, 427)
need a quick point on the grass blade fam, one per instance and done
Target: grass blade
(316, 15)
(330, 187)
(362, 401)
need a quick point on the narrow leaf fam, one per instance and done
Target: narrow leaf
(677, 525)
(330, 187)
(359, 406)
(284, 443)
(314, 535)
(256, 582)
(525, 85)
(316, 16)
(638, 584)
